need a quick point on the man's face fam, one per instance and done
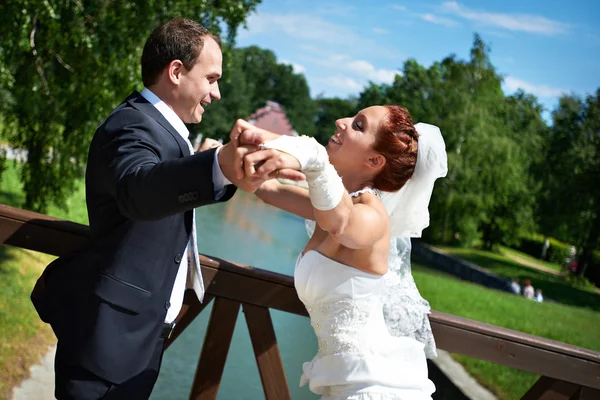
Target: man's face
(199, 86)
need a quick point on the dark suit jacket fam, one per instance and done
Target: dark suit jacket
(107, 302)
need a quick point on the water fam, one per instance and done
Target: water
(246, 231)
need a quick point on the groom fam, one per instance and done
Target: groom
(113, 303)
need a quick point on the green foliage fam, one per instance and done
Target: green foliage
(558, 252)
(66, 64)
(532, 245)
(579, 281)
(570, 201)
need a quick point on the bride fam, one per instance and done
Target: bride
(369, 192)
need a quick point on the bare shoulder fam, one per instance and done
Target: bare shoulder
(373, 202)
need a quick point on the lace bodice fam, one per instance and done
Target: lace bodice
(343, 303)
(340, 326)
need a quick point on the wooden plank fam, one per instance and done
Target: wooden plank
(214, 350)
(589, 394)
(252, 290)
(40, 232)
(517, 355)
(247, 270)
(552, 389)
(189, 311)
(514, 336)
(266, 350)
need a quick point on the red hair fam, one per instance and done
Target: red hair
(397, 141)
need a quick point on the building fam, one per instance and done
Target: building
(272, 117)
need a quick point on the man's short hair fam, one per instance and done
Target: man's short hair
(179, 39)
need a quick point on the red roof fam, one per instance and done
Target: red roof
(272, 117)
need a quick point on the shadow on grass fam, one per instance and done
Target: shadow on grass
(5, 258)
(553, 287)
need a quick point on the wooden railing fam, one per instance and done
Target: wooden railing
(567, 372)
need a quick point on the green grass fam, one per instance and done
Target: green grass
(11, 193)
(512, 252)
(554, 287)
(574, 325)
(25, 338)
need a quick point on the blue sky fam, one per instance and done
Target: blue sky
(545, 47)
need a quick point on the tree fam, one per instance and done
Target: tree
(570, 206)
(67, 63)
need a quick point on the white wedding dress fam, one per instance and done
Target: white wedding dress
(358, 359)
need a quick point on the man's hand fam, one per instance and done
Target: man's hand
(244, 133)
(229, 155)
(253, 135)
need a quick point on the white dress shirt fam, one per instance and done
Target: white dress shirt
(219, 183)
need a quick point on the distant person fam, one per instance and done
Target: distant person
(528, 290)
(538, 296)
(545, 248)
(515, 287)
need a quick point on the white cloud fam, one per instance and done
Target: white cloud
(311, 28)
(298, 69)
(439, 20)
(380, 31)
(343, 82)
(367, 70)
(513, 84)
(398, 7)
(513, 22)
(360, 68)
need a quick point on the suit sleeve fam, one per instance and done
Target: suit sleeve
(145, 186)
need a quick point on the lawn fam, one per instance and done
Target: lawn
(553, 286)
(11, 193)
(507, 251)
(25, 338)
(574, 325)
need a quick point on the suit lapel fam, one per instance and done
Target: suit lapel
(137, 101)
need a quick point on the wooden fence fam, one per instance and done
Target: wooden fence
(567, 372)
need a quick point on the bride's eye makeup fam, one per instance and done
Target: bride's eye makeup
(357, 126)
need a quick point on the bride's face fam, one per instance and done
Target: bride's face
(354, 137)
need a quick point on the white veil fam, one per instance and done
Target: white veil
(405, 311)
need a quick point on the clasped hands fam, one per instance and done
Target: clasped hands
(248, 166)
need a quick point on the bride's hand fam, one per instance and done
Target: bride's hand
(270, 163)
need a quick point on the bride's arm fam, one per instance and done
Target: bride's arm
(355, 225)
(288, 197)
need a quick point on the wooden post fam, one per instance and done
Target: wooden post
(266, 351)
(552, 389)
(214, 350)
